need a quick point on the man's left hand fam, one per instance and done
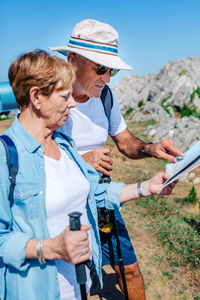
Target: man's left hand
(164, 149)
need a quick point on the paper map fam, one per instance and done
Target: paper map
(184, 164)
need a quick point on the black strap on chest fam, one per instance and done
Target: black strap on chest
(107, 100)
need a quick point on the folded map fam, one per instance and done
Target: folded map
(184, 164)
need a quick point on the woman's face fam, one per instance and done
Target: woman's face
(54, 109)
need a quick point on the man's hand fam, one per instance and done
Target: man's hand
(134, 148)
(163, 150)
(100, 159)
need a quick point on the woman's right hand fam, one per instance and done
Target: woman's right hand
(72, 246)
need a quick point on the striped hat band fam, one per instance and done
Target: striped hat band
(93, 46)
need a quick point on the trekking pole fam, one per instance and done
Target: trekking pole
(106, 178)
(75, 224)
(119, 253)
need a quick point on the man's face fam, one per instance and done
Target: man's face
(88, 82)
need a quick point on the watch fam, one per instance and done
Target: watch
(143, 149)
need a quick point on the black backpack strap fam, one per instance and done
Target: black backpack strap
(12, 162)
(66, 138)
(107, 100)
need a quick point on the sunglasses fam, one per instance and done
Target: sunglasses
(100, 70)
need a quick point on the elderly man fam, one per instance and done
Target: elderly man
(93, 50)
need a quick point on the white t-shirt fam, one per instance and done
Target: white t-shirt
(88, 125)
(66, 191)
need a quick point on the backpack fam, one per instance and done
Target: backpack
(12, 162)
(107, 100)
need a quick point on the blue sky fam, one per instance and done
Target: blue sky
(151, 32)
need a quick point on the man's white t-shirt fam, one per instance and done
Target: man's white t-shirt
(88, 125)
(66, 191)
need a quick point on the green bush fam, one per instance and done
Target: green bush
(197, 91)
(141, 103)
(192, 197)
(187, 111)
(166, 108)
(128, 112)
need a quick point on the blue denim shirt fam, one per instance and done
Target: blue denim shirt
(26, 218)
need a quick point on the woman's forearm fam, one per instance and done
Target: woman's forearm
(130, 192)
(152, 186)
(48, 249)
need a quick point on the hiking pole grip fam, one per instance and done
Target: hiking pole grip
(75, 224)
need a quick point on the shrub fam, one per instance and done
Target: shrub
(166, 108)
(197, 91)
(128, 112)
(141, 103)
(186, 111)
(192, 197)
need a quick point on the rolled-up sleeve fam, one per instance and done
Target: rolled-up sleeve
(13, 250)
(113, 194)
(108, 195)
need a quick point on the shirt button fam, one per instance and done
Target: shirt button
(41, 192)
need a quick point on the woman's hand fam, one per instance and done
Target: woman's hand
(154, 185)
(72, 246)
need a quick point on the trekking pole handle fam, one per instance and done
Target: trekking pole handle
(74, 220)
(75, 224)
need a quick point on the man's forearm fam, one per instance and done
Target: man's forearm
(131, 146)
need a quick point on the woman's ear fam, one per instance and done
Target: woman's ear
(35, 94)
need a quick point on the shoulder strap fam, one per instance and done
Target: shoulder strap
(12, 162)
(107, 100)
(66, 138)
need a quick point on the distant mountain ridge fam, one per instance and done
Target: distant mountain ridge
(171, 97)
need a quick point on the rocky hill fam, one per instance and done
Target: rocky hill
(171, 97)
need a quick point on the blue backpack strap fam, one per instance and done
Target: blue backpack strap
(12, 162)
(107, 100)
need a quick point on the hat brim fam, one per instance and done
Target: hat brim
(107, 60)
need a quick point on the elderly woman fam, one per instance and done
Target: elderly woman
(37, 249)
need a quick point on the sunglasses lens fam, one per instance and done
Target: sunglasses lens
(101, 70)
(113, 72)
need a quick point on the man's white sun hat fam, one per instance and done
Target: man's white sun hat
(97, 42)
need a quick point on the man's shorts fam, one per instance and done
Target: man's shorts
(108, 245)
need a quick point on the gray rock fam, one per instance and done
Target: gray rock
(173, 87)
(196, 180)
